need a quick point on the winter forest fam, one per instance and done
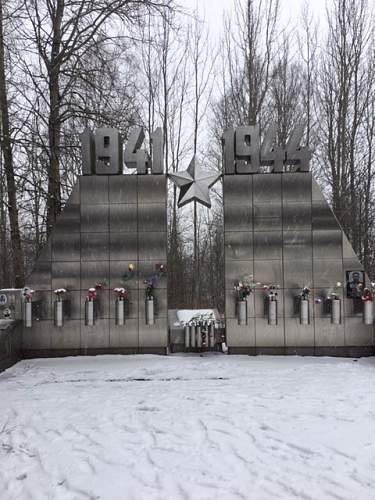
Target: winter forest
(70, 64)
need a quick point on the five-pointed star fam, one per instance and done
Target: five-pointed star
(194, 184)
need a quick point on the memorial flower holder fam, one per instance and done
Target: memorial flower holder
(334, 297)
(58, 307)
(150, 300)
(271, 299)
(243, 289)
(91, 304)
(122, 298)
(304, 306)
(368, 297)
(28, 307)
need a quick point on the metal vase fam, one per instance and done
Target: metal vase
(304, 311)
(336, 311)
(28, 314)
(59, 313)
(368, 312)
(211, 335)
(89, 313)
(242, 312)
(150, 312)
(193, 331)
(199, 336)
(187, 336)
(120, 312)
(272, 312)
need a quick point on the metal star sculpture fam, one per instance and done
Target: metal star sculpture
(194, 185)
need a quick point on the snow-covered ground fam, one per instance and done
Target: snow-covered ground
(186, 427)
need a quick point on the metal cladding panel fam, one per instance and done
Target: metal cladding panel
(44, 299)
(94, 189)
(237, 270)
(152, 245)
(297, 245)
(297, 216)
(355, 335)
(66, 275)
(96, 336)
(297, 335)
(123, 246)
(74, 198)
(327, 334)
(323, 217)
(269, 335)
(74, 305)
(267, 224)
(68, 220)
(120, 276)
(94, 246)
(267, 188)
(296, 187)
(66, 338)
(238, 190)
(239, 246)
(37, 337)
(45, 254)
(350, 310)
(240, 336)
(147, 269)
(108, 152)
(161, 308)
(259, 299)
(152, 217)
(122, 218)
(152, 189)
(327, 273)
(347, 250)
(123, 189)
(269, 272)
(66, 247)
(298, 274)
(123, 336)
(155, 335)
(94, 218)
(131, 308)
(238, 218)
(40, 278)
(94, 272)
(327, 244)
(268, 245)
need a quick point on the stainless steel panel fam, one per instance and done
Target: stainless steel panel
(273, 211)
(267, 188)
(240, 336)
(297, 335)
(152, 245)
(68, 337)
(124, 336)
(327, 245)
(94, 189)
(349, 307)
(297, 217)
(238, 218)
(296, 187)
(94, 219)
(44, 309)
(323, 217)
(123, 218)
(123, 189)
(94, 246)
(95, 337)
(74, 198)
(152, 217)
(317, 194)
(357, 334)
(120, 276)
(259, 302)
(108, 151)
(269, 335)
(327, 273)
(297, 245)
(124, 246)
(267, 224)
(267, 245)
(147, 269)
(155, 335)
(65, 247)
(231, 304)
(66, 275)
(39, 336)
(94, 272)
(40, 278)
(237, 270)
(347, 250)
(88, 152)
(152, 189)
(68, 221)
(160, 303)
(298, 273)
(327, 334)
(268, 272)
(238, 190)
(131, 309)
(73, 309)
(239, 246)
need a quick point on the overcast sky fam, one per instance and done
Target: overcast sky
(214, 9)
